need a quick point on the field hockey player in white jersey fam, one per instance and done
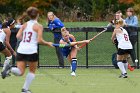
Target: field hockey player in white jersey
(31, 35)
(5, 47)
(124, 47)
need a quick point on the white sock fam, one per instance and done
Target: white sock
(30, 76)
(121, 67)
(7, 61)
(125, 65)
(16, 71)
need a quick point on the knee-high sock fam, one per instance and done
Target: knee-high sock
(121, 67)
(30, 76)
(74, 64)
(16, 71)
(125, 63)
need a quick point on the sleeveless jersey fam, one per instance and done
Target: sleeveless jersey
(28, 45)
(2, 35)
(123, 40)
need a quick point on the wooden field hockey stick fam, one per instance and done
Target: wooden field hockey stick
(83, 45)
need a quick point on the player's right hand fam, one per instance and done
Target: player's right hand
(50, 44)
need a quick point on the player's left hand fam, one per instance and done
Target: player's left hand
(78, 48)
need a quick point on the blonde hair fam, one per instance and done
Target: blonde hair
(63, 29)
(120, 22)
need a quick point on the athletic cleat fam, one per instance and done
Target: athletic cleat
(6, 71)
(130, 68)
(25, 91)
(73, 74)
(123, 75)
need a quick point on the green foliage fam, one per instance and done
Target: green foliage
(71, 10)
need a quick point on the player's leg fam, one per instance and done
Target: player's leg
(20, 69)
(30, 76)
(73, 55)
(6, 66)
(32, 61)
(121, 66)
(59, 53)
(126, 64)
(120, 58)
(125, 61)
(21, 64)
(8, 58)
(120, 63)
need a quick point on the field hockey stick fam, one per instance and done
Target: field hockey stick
(83, 45)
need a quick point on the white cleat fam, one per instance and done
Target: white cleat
(73, 74)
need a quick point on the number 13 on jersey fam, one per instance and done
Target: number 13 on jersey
(27, 36)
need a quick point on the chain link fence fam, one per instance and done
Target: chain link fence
(96, 54)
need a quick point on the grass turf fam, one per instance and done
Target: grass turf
(87, 81)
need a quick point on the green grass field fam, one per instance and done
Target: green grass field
(87, 81)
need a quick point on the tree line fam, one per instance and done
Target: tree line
(70, 10)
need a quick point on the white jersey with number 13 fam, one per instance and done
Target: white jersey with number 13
(28, 45)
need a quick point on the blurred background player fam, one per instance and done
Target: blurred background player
(117, 16)
(55, 25)
(124, 46)
(132, 23)
(70, 52)
(30, 34)
(5, 47)
(13, 40)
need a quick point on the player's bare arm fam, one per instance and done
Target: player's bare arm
(113, 35)
(39, 29)
(20, 32)
(8, 33)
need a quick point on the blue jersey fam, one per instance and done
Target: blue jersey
(66, 50)
(56, 24)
